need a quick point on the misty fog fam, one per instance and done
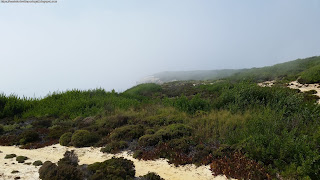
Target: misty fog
(112, 44)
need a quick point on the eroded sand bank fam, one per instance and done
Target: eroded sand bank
(90, 155)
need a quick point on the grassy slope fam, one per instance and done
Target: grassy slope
(284, 71)
(228, 124)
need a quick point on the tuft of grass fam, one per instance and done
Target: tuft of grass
(10, 156)
(37, 163)
(21, 159)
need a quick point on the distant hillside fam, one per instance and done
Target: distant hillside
(285, 71)
(169, 76)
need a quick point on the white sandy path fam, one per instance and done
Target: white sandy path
(90, 155)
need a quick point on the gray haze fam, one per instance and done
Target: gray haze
(111, 44)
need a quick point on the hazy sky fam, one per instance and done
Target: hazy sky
(86, 44)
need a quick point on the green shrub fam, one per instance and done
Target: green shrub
(311, 92)
(83, 138)
(116, 121)
(9, 156)
(114, 147)
(21, 159)
(181, 145)
(193, 105)
(42, 123)
(37, 163)
(67, 169)
(151, 176)
(137, 154)
(149, 140)
(115, 168)
(14, 172)
(150, 131)
(65, 139)
(56, 131)
(127, 133)
(28, 136)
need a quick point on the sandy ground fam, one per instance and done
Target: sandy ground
(305, 87)
(266, 83)
(296, 85)
(90, 155)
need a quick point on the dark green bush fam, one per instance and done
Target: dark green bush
(1, 129)
(67, 169)
(116, 121)
(9, 156)
(83, 138)
(151, 176)
(48, 171)
(42, 123)
(28, 136)
(128, 133)
(311, 92)
(150, 131)
(137, 154)
(115, 168)
(149, 140)
(65, 139)
(21, 159)
(37, 163)
(114, 147)
(181, 145)
(57, 131)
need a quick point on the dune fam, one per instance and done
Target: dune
(90, 155)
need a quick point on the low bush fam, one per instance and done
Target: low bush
(83, 138)
(137, 154)
(65, 139)
(311, 92)
(28, 136)
(150, 131)
(42, 123)
(150, 176)
(21, 159)
(115, 168)
(56, 131)
(127, 133)
(149, 140)
(48, 171)
(9, 156)
(37, 163)
(67, 169)
(114, 147)
(116, 121)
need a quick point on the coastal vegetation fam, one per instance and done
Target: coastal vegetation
(240, 129)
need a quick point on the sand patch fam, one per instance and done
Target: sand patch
(267, 83)
(305, 87)
(90, 155)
